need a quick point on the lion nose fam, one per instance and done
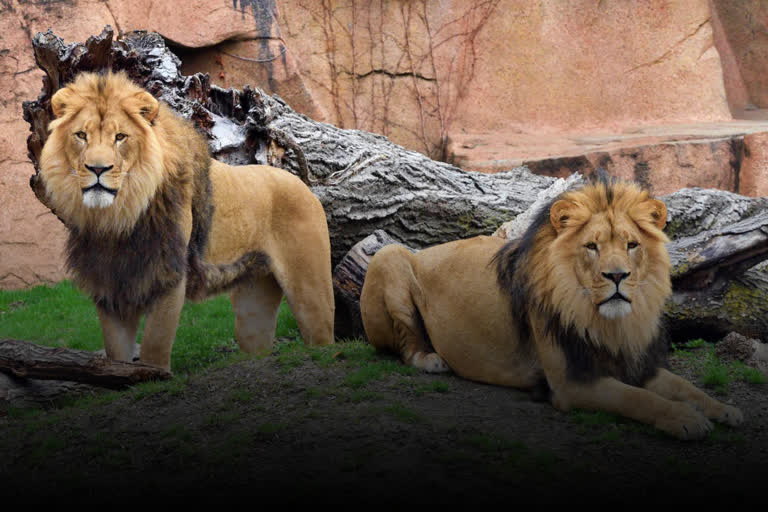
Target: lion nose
(98, 170)
(616, 277)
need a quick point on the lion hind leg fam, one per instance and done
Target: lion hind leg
(390, 313)
(256, 303)
(308, 288)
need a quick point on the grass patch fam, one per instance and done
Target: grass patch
(724, 434)
(714, 372)
(171, 387)
(370, 371)
(594, 418)
(291, 354)
(437, 386)
(55, 316)
(691, 345)
(748, 374)
(61, 316)
(270, 428)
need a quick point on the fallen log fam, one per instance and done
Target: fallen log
(20, 392)
(26, 360)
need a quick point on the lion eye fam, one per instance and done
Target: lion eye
(632, 245)
(81, 135)
(592, 246)
(120, 136)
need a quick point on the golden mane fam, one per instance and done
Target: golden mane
(537, 271)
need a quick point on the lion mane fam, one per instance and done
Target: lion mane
(152, 218)
(571, 311)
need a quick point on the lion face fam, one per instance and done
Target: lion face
(102, 162)
(101, 151)
(607, 260)
(610, 263)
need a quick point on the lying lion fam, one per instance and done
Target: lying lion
(573, 307)
(153, 219)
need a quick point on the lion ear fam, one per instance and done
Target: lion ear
(559, 213)
(144, 104)
(62, 101)
(651, 210)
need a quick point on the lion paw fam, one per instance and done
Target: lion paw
(433, 363)
(685, 423)
(729, 415)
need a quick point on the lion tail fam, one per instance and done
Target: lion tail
(206, 279)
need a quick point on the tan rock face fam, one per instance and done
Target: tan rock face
(574, 66)
(729, 155)
(481, 83)
(745, 30)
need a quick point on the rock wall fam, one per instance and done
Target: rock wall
(559, 86)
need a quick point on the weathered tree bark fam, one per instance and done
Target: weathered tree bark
(348, 278)
(21, 392)
(717, 287)
(28, 360)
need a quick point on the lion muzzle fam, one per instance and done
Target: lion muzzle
(98, 196)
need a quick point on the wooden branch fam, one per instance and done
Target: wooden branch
(718, 255)
(28, 360)
(20, 392)
(348, 277)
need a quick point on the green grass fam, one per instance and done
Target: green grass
(691, 345)
(57, 316)
(714, 372)
(748, 374)
(61, 316)
(373, 371)
(594, 418)
(437, 386)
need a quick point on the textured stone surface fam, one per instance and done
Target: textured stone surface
(725, 155)
(745, 30)
(568, 66)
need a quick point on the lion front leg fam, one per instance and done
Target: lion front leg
(611, 395)
(119, 334)
(160, 327)
(674, 387)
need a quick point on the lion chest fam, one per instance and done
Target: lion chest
(127, 274)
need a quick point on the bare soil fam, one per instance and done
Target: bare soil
(305, 433)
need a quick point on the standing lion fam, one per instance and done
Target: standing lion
(573, 309)
(153, 219)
